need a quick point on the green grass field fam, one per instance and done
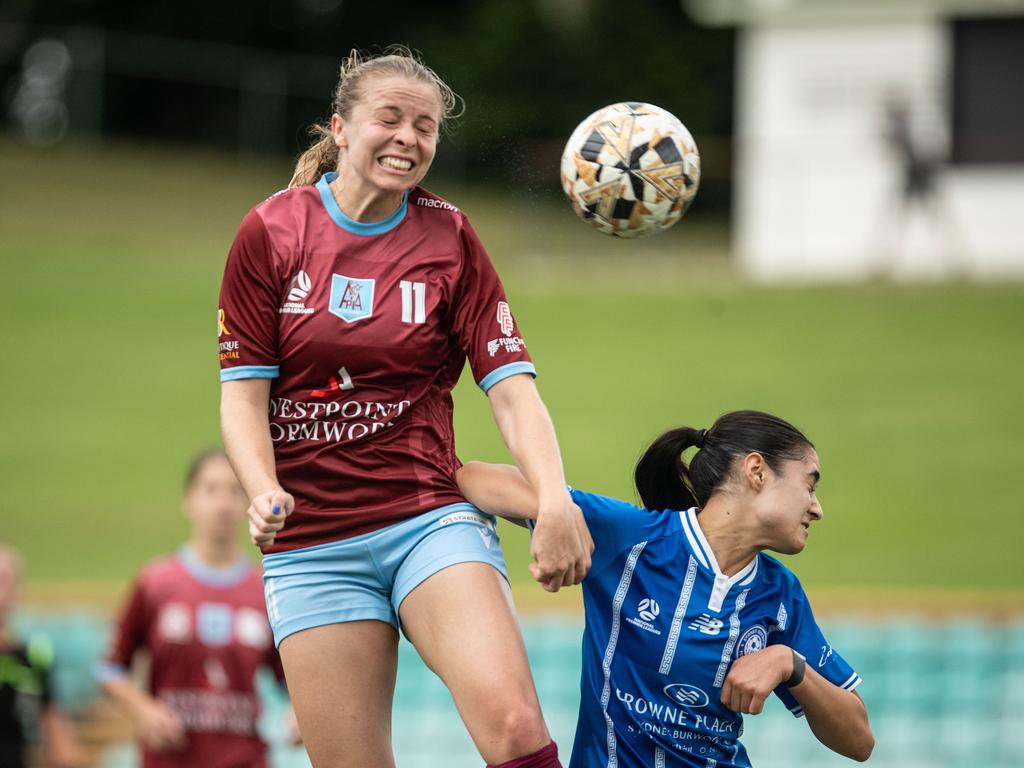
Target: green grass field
(111, 259)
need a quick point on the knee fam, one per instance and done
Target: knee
(519, 730)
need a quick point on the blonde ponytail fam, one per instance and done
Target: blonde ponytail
(320, 158)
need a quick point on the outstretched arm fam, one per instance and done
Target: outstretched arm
(498, 489)
(837, 717)
(561, 543)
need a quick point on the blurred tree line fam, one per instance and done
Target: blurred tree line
(256, 74)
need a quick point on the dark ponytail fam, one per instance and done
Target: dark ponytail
(665, 481)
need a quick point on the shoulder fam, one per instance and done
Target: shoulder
(285, 202)
(596, 501)
(610, 509)
(276, 223)
(434, 212)
(772, 571)
(159, 571)
(421, 198)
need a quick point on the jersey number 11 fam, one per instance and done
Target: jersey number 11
(414, 302)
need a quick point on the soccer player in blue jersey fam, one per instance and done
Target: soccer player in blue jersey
(689, 624)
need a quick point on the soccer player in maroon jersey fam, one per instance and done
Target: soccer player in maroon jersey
(200, 616)
(349, 306)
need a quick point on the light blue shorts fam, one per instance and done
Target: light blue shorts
(368, 576)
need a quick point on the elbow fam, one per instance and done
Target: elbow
(862, 750)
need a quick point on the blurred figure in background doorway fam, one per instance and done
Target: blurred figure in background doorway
(919, 189)
(28, 713)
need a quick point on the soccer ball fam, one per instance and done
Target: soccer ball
(630, 169)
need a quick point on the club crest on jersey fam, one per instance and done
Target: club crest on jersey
(752, 641)
(214, 623)
(351, 297)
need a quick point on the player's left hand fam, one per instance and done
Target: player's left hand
(754, 676)
(561, 546)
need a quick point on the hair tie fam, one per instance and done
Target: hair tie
(702, 435)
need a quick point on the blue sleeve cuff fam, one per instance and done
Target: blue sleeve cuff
(105, 671)
(499, 374)
(250, 372)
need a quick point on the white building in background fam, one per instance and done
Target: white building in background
(817, 187)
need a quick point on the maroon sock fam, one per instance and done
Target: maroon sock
(545, 757)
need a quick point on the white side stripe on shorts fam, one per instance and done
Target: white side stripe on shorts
(677, 618)
(613, 639)
(273, 612)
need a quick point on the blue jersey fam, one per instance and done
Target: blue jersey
(663, 626)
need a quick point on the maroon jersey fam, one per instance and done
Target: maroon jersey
(206, 632)
(364, 329)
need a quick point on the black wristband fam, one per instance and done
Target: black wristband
(799, 667)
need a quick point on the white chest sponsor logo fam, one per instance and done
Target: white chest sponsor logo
(298, 290)
(707, 625)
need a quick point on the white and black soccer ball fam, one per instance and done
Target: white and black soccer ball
(630, 169)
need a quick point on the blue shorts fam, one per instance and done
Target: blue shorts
(368, 576)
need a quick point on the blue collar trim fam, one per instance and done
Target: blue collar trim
(350, 224)
(233, 574)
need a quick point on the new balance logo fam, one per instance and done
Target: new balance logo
(707, 625)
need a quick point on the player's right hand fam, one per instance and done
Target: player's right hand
(159, 728)
(561, 546)
(267, 514)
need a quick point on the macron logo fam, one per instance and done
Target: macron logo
(432, 202)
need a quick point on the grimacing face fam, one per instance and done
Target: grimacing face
(788, 504)
(215, 503)
(389, 138)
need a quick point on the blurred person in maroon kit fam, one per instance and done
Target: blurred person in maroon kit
(200, 617)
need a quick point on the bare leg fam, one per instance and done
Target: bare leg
(480, 656)
(341, 678)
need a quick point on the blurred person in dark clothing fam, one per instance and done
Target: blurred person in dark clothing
(921, 168)
(28, 713)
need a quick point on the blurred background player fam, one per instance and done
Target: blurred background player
(349, 306)
(920, 172)
(688, 623)
(28, 713)
(199, 615)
